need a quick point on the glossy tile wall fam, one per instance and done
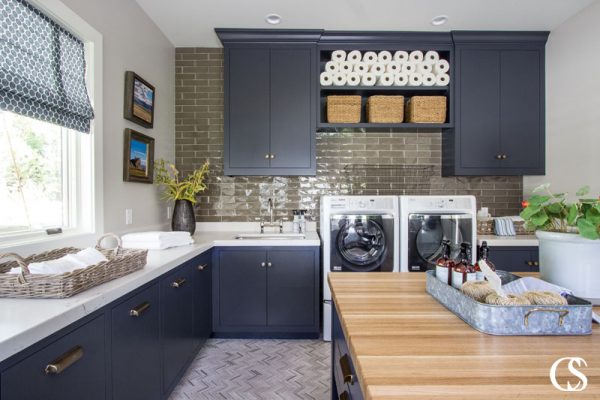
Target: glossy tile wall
(348, 162)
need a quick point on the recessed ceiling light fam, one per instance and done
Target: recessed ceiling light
(439, 20)
(273, 19)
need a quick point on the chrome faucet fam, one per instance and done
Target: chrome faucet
(270, 207)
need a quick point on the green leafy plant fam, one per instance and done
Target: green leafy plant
(552, 212)
(176, 188)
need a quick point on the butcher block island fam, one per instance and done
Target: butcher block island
(392, 340)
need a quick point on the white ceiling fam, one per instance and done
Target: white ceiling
(190, 23)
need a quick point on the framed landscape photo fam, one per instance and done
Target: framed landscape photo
(139, 102)
(138, 157)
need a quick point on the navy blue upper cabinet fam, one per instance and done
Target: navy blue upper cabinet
(499, 105)
(270, 111)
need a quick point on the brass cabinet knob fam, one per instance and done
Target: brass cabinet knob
(263, 264)
(139, 310)
(178, 283)
(269, 264)
(202, 267)
(65, 361)
(267, 156)
(504, 156)
(536, 263)
(530, 263)
(272, 156)
(498, 156)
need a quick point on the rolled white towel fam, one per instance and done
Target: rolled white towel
(428, 79)
(441, 67)
(416, 56)
(395, 67)
(377, 69)
(368, 79)
(326, 78)
(384, 57)
(424, 67)
(353, 79)
(332, 66)
(354, 56)
(338, 55)
(442, 80)
(155, 235)
(385, 79)
(401, 55)
(346, 66)
(370, 57)
(401, 79)
(339, 79)
(415, 79)
(68, 263)
(432, 56)
(409, 67)
(361, 67)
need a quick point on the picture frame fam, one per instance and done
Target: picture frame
(140, 98)
(138, 157)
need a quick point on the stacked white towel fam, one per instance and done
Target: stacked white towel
(504, 226)
(156, 240)
(68, 263)
(421, 68)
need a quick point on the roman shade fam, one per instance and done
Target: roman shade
(42, 68)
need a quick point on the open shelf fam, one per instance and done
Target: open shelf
(366, 125)
(384, 88)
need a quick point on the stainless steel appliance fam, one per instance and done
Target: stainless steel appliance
(425, 221)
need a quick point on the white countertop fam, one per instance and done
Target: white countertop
(507, 241)
(24, 322)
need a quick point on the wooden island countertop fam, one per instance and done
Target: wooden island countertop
(404, 344)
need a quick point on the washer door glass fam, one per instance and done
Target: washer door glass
(361, 242)
(435, 229)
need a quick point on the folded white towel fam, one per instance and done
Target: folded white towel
(155, 235)
(68, 263)
(528, 283)
(156, 245)
(504, 226)
(156, 240)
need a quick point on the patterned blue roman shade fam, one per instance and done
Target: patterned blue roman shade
(42, 68)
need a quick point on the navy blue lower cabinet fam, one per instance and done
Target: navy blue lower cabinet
(177, 327)
(266, 292)
(202, 270)
(135, 341)
(344, 380)
(71, 368)
(515, 258)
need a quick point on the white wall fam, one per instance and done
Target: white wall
(572, 105)
(131, 42)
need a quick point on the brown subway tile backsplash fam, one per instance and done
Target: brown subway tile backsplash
(387, 162)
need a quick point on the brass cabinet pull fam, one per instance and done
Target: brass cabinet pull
(536, 263)
(267, 156)
(263, 264)
(504, 156)
(178, 283)
(530, 263)
(139, 310)
(346, 370)
(269, 264)
(65, 361)
(272, 156)
(344, 396)
(498, 156)
(202, 267)
(561, 314)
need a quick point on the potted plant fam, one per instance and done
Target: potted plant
(569, 237)
(182, 191)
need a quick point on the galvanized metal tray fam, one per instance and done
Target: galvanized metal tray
(572, 319)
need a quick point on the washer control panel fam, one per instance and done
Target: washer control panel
(360, 203)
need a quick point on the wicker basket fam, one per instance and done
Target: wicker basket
(486, 227)
(26, 285)
(426, 109)
(343, 109)
(388, 109)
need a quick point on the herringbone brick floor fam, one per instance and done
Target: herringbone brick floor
(248, 369)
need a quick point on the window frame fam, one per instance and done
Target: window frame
(90, 174)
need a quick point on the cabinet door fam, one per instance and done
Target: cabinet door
(514, 259)
(292, 283)
(292, 108)
(81, 352)
(521, 118)
(479, 108)
(136, 347)
(242, 288)
(202, 297)
(247, 108)
(176, 294)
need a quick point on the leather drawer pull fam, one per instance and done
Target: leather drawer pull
(178, 283)
(139, 310)
(65, 361)
(344, 396)
(346, 371)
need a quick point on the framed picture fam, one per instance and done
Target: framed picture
(138, 157)
(139, 102)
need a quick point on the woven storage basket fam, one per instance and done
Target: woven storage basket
(486, 227)
(426, 109)
(26, 285)
(385, 109)
(343, 109)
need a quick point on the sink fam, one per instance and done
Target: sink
(270, 236)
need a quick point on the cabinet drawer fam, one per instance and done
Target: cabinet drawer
(72, 367)
(515, 259)
(136, 347)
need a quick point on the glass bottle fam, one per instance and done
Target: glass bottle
(444, 264)
(464, 270)
(483, 255)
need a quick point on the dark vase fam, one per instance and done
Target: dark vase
(183, 217)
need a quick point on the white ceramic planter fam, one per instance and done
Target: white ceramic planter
(568, 260)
